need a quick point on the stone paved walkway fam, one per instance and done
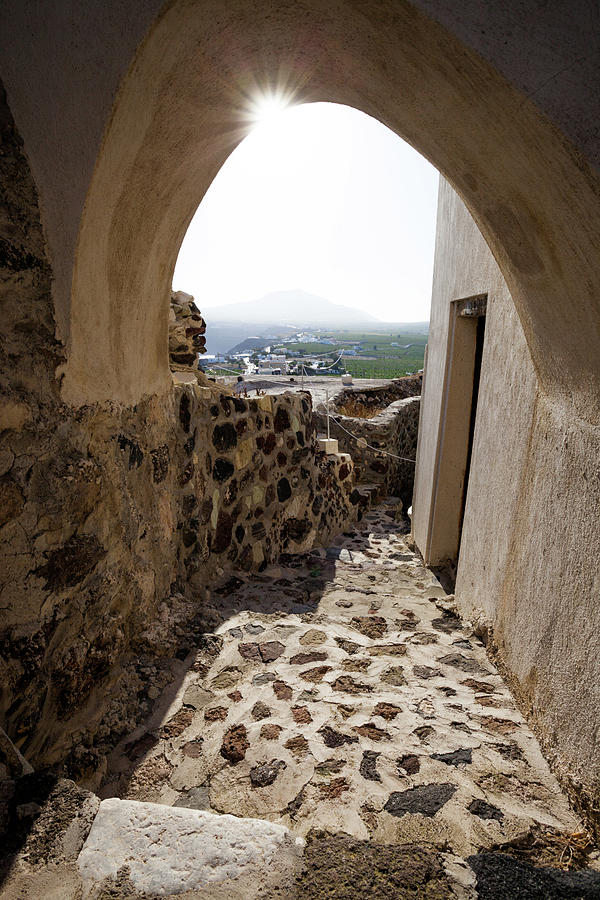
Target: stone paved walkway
(341, 693)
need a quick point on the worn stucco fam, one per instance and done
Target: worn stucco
(527, 565)
(118, 195)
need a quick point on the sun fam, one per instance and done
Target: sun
(267, 109)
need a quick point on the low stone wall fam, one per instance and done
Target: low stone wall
(117, 525)
(394, 431)
(255, 484)
(398, 389)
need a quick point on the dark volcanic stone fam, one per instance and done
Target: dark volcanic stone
(456, 758)
(410, 763)
(294, 805)
(302, 659)
(485, 810)
(297, 745)
(464, 663)
(348, 646)
(371, 731)
(193, 749)
(387, 711)
(371, 626)
(177, 723)
(265, 774)
(282, 690)
(330, 767)
(284, 491)
(235, 744)
(426, 799)
(333, 738)
(264, 678)
(206, 508)
(223, 531)
(260, 710)
(184, 412)
(160, 463)
(426, 672)
(348, 685)
(215, 714)
(270, 732)
(315, 675)
(270, 650)
(338, 867)
(394, 676)
(281, 421)
(136, 454)
(224, 437)
(269, 444)
(446, 623)
(223, 469)
(297, 529)
(423, 732)
(301, 715)
(480, 686)
(368, 765)
(501, 877)
(334, 788)
(70, 564)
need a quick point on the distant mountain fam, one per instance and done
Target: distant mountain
(294, 308)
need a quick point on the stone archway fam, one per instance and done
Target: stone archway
(177, 117)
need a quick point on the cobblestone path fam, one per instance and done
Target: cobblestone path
(342, 694)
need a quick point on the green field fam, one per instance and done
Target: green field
(375, 357)
(383, 368)
(389, 362)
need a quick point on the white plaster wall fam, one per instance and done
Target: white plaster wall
(530, 545)
(464, 267)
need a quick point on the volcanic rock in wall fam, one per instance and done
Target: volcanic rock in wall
(186, 333)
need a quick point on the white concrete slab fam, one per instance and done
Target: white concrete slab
(170, 850)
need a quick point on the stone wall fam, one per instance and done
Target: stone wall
(186, 332)
(254, 483)
(394, 430)
(398, 389)
(116, 522)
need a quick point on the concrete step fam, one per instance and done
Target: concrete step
(171, 850)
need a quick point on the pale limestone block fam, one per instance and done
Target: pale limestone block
(265, 403)
(243, 454)
(169, 850)
(184, 378)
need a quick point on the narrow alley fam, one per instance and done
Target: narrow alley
(342, 697)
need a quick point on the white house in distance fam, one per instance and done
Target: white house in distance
(273, 365)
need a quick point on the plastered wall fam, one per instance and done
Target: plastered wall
(528, 566)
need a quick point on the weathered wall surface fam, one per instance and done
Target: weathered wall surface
(254, 483)
(391, 431)
(378, 397)
(530, 544)
(118, 195)
(115, 522)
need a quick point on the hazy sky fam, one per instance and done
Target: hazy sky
(323, 198)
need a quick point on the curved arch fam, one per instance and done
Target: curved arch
(177, 118)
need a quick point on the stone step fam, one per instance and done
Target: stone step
(169, 850)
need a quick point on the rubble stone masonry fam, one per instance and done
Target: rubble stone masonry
(117, 522)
